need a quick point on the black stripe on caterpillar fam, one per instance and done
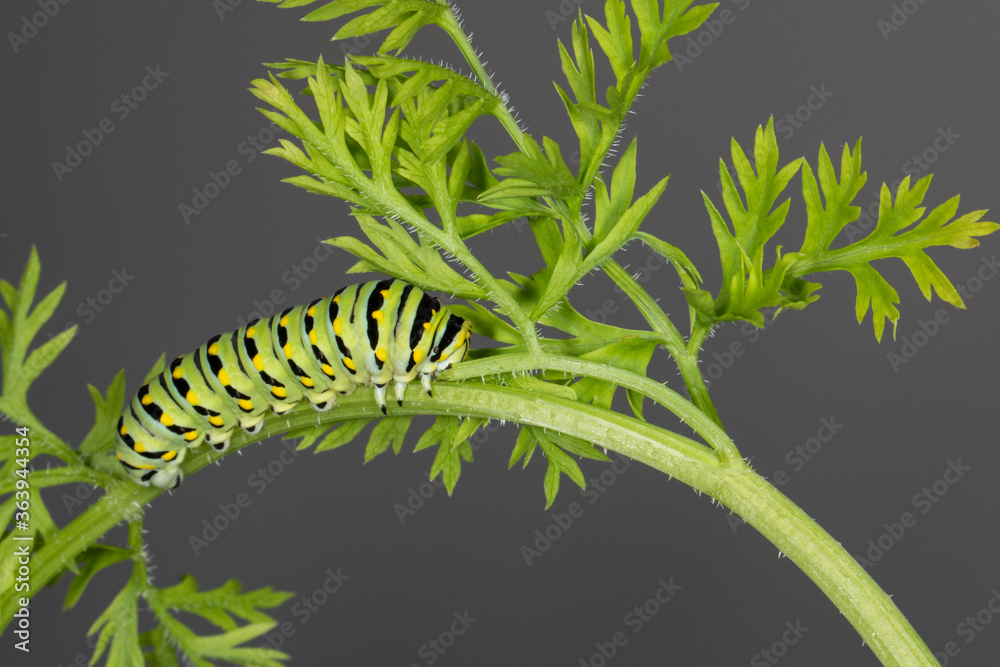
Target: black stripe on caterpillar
(371, 333)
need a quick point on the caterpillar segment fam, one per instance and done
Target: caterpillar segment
(371, 333)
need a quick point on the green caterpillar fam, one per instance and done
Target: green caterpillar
(368, 333)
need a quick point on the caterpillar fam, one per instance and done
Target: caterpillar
(369, 333)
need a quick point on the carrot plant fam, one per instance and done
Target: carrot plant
(390, 135)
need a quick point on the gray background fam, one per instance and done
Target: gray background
(119, 208)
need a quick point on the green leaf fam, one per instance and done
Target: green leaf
(903, 231)
(389, 432)
(406, 17)
(394, 251)
(747, 287)
(656, 30)
(342, 435)
(686, 270)
(618, 219)
(95, 558)
(101, 437)
(611, 207)
(631, 354)
(118, 626)
(559, 463)
(616, 39)
(524, 447)
(221, 607)
(452, 449)
(18, 330)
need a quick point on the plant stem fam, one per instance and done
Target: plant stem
(733, 483)
(873, 614)
(687, 363)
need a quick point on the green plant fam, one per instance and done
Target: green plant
(390, 136)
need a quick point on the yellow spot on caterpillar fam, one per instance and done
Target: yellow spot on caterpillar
(380, 353)
(123, 430)
(147, 399)
(442, 358)
(251, 332)
(279, 392)
(326, 368)
(178, 373)
(149, 467)
(307, 382)
(245, 404)
(336, 326)
(349, 363)
(213, 349)
(192, 397)
(166, 419)
(169, 456)
(377, 316)
(283, 321)
(336, 299)
(224, 377)
(258, 363)
(385, 292)
(139, 447)
(288, 350)
(427, 326)
(191, 435)
(215, 420)
(312, 311)
(312, 337)
(418, 356)
(119, 456)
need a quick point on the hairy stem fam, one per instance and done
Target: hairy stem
(732, 482)
(873, 614)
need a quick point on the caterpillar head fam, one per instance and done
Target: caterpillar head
(451, 342)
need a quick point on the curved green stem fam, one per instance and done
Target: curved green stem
(870, 610)
(733, 483)
(670, 399)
